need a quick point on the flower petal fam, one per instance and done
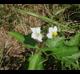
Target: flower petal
(51, 29)
(33, 35)
(38, 29)
(55, 29)
(36, 34)
(39, 38)
(33, 30)
(49, 35)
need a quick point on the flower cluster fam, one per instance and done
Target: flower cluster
(36, 33)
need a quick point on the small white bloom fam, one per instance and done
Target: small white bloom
(36, 34)
(52, 32)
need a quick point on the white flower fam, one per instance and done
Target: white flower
(36, 34)
(52, 32)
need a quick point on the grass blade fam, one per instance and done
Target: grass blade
(44, 18)
(35, 62)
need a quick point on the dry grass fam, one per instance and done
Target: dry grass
(11, 48)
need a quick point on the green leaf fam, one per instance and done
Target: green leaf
(74, 56)
(45, 49)
(55, 42)
(18, 36)
(74, 41)
(25, 39)
(64, 51)
(70, 63)
(29, 42)
(35, 62)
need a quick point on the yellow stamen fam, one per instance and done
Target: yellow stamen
(54, 34)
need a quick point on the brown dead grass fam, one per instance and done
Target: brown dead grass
(9, 45)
